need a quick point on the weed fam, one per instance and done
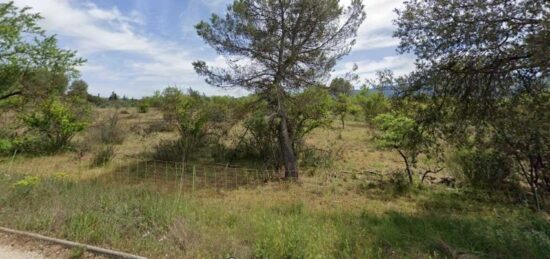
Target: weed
(103, 155)
(77, 252)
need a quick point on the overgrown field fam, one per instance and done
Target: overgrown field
(338, 218)
(352, 209)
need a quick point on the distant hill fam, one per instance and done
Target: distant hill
(387, 91)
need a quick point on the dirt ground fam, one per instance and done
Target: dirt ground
(17, 247)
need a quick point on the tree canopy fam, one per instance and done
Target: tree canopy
(483, 74)
(276, 48)
(26, 50)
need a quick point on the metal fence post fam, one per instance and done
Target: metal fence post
(215, 179)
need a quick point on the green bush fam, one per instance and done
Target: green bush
(481, 168)
(29, 144)
(400, 184)
(56, 123)
(6, 146)
(143, 107)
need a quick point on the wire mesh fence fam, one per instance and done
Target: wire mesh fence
(166, 175)
(187, 177)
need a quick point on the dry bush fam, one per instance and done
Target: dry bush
(169, 150)
(108, 132)
(103, 155)
(159, 126)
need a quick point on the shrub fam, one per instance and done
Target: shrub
(56, 123)
(103, 155)
(110, 132)
(400, 185)
(481, 168)
(6, 146)
(169, 150)
(403, 134)
(30, 144)
(143, 107)
(373, 103)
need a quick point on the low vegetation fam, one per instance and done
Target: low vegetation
(449, 161)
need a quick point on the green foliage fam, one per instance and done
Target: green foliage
(399, 183)
(308, 110)
(143, 106)
(493, 86)
(55, 123)
(172, 102)
(403, 134)
(78, 88)
(25, 48)
(113, 96)
(481, 168)
(340, 86)
(396, 131)
(190, 115)
(6, 146)
(343, 106)
(169, 150)
(287, 54)
(25, 185)
(259, 141)
(28, 144)
(134, 219)
(372, 103)
(192, 127)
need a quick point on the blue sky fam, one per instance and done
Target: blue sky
(135, 47)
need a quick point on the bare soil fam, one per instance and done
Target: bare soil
(18, 247)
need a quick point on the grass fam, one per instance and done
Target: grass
(303, 220)
(328, 214)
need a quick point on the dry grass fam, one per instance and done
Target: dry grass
(330, 214)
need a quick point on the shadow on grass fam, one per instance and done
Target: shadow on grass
(396, 234)
(445, 222)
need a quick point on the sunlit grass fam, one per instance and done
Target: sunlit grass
(277, 220)
(329, 213)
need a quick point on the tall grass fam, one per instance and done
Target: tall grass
(271, 221)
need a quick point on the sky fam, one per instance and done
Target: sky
(135, 47)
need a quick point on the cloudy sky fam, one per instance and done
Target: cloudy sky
(135, 47)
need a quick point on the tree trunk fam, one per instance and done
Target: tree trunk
(407, 166)
(287, 153)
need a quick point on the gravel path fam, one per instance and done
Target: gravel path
(9, 252)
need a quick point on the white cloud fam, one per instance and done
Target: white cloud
(144, 63)
(94, 31)
(376, 31)
(399, 65)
